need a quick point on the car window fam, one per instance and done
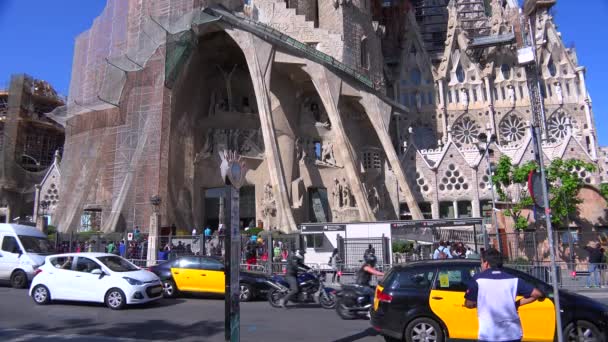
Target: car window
(537, 283)
(34, 244)
(412, 279)
(211, 264)
(456, 278)
(63, 262)
(188, 262)
(9, 244)
(86, 265)
(117, 264)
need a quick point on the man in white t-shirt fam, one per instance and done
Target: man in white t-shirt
(493, 292)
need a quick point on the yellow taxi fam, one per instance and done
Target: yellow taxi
(424, 301)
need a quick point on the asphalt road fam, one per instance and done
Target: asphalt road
(196, 318)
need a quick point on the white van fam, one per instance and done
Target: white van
(22, 250)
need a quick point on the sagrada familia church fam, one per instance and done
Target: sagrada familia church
(342, 110)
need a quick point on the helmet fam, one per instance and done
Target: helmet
(371, 259)
(300, 253)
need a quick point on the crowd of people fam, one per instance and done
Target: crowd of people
(453, 250)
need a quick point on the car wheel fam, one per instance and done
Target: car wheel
(169, 289)
(343, 310)
(582, 331)
(246, 293)
(19, 279)
(115, 299)
(423, 329)
(41, 295)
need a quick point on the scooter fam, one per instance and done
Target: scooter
(354, 301)
(312, 290)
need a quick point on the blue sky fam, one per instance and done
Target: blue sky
(38, 39)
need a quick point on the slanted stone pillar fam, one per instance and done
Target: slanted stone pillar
(153, 239)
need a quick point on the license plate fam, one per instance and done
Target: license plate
(156, 290)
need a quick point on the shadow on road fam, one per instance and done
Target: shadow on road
(358, 336)
(156, 329)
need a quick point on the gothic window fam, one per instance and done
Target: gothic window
(558, 126)
(521, 92)
(421, 184)
(484, 93)
(364, 55)
(416, 76)
(484, 184)
(465, 131)
(512, 128)
(460, 73)
(506, 71)
(453, 180)
(372, 160)
(551, 67)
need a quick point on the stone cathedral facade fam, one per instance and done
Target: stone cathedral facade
(343, 110)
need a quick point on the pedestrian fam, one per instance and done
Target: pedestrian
(111, 247)
(441, 252)
(207, 232)
(494, 293)
(334, 263)
(194, 232)
(250, 255)
(122, 248)
(596, 256)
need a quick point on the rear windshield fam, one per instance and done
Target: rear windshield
(117, 264)
(38, 245)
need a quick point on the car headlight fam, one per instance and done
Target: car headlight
(132, 281)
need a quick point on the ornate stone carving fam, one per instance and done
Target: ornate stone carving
(465, 131)
(327, 154)
(374, 199)
(269, 207)
(511, 95)
(246, 142)
(558, 93)
(342, 195)
(206, 150)
(464, 98)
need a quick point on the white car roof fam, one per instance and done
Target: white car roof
(20, 229)
(91, 255)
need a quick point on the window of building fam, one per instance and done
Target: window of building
(318, 146)
(486, 208)
(521, 92)
(505, 69)
(426, 209)
(484, 93)
(364, 54)
(465, 209)
(372, 160)
(446, 210)
(460, 75)
(314, 240)
(416, 76)
(551, 67)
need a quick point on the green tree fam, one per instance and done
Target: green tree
(564, 181)
(604, 190)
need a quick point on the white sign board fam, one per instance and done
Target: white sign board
(130, 236)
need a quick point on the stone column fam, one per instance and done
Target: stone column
(153, 239)
(379, 114)
(260, 56)
(455, 204)
(588, 118)
(435, 204)
(486, 81)
(36, 201)
(444, 110)
(328, 87)
(475, 204)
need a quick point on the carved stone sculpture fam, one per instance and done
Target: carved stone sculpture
(337, 194)
(464, 98)
(268, 202)
(374, 199)
(206, 150)
(558, 93)
(346, 195)
(327, 154)
(511, 95)
(418, 101)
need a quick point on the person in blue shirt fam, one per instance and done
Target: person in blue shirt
(493, 292)
(207, 232)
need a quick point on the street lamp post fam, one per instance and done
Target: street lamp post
(484, 143)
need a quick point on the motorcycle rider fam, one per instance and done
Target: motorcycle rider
(295, 264)
(364, 275)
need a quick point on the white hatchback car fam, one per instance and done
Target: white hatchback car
(94, 277)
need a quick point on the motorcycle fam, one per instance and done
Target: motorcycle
(353, 301)
(312, 290)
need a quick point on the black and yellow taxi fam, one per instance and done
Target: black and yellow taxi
(206, 275)
(424, 301)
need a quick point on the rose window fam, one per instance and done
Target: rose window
(465, 131)
(453, 180)
(558, 126)
(421, 184)
(512, 128)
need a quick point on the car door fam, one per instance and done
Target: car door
(60, 279)
(9, 255)
(537, 318)
(447, 301)
(212, 275)
(185, 274)
(89, 287)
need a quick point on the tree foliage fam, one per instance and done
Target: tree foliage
(604, 190)
(564, 185)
